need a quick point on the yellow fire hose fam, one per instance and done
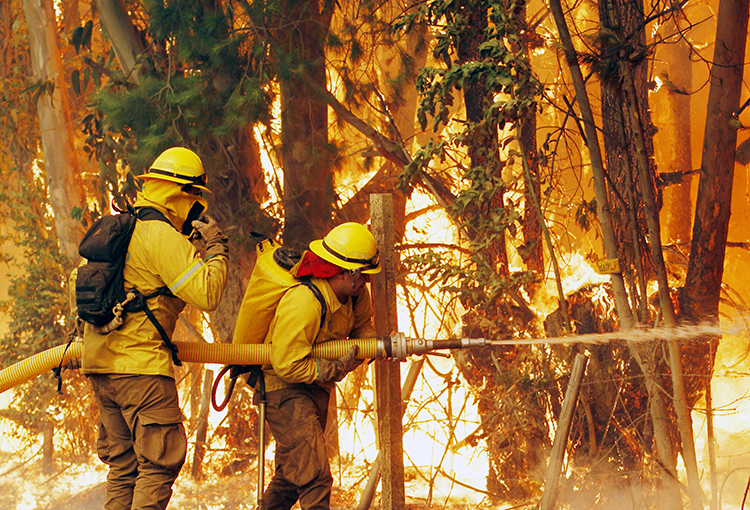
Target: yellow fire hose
(397, 347)
(190, 352)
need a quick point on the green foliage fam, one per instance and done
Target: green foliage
(201, 83)
(501, 80)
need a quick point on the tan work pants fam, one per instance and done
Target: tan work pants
(297, 417)
(141, 439)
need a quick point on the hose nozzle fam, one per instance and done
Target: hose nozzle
(399, 347)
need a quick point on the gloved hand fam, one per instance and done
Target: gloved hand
(237, 370)
(72, 364)
(336, 370)
(216, 242)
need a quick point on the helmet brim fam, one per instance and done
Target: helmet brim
(317, 248)
(161, 177)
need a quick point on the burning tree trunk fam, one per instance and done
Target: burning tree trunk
(625, 18)
(682, 407)
(531, 251)
(699, 299)
(483, 148)
(600, 186)
(620, 295)
(636, 119)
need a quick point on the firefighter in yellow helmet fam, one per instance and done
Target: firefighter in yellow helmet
(141, 436)
(298, 386)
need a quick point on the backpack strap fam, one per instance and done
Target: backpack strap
(151, 214)
(319, 296)
(143, 305)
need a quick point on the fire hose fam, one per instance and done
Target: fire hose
(397, 347)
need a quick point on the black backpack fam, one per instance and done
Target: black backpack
(101, 298)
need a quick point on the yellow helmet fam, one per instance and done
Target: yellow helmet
(179, 165)
(351, 246)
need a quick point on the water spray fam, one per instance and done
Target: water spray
(397, 347)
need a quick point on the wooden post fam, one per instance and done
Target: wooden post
(387, 373)
(561, 435)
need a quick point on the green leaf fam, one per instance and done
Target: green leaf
(86, 77)
(75, 38)
(86, 36)
(75, 82)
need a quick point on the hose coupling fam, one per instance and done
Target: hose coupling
(400, 347)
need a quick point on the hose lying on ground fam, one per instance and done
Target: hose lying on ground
(190, 352)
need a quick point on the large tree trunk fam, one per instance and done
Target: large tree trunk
(621, 154)
(60, 159)
(699, 299)
(533, 230)
(306, 156)
(630, 90)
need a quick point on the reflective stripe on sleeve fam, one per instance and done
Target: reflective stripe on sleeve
(186, 276)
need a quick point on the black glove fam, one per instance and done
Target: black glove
(237, 370)
(336, 370)
(216, 242)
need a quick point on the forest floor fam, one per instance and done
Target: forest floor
(76, 486)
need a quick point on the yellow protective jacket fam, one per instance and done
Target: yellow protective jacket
(158, 255)
(295, 328)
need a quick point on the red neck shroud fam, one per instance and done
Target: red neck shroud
(313, 265)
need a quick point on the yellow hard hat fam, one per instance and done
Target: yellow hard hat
(179, 165)
(351, 246)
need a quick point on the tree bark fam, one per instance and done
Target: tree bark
(483, 137)
(600, 187)
(306, 156)
(59, 156)
(532, 228)
(122, 34)
(699, 299)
